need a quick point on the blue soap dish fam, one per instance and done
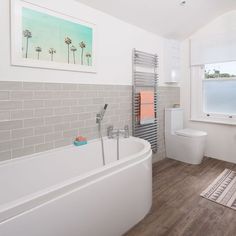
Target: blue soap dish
(77, 143)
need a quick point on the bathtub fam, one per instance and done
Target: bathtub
(68, 191)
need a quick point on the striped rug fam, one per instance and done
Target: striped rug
(223, 189)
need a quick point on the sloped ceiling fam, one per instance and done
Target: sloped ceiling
(166, 18)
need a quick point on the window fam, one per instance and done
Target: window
(213, 92)
(213, 75)
(219, 89)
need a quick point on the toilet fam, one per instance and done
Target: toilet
(186, 145)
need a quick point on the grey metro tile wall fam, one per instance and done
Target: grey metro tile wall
(36, 117)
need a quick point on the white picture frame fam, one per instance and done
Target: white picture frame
(17, 36)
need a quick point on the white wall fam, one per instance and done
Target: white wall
(115, 42)
(221, 141)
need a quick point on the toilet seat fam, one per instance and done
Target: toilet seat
(190, 133)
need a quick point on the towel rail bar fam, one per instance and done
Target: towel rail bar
(144, 53)
(143, 80)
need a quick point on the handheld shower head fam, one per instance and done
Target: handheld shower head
(101, 114)
(104, 110)
(105, 106)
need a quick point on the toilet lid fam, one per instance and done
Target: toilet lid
(190, 133)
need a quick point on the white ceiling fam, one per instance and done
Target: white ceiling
(165, 18)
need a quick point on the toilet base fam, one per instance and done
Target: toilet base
(185, 149)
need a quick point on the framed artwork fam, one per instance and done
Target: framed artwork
(44, 38)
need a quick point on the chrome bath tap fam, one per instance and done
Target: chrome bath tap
(116, 133)
(113, 133)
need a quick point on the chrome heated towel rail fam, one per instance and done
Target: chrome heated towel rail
(145, 77)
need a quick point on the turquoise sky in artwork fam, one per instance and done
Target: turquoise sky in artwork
(50, 32)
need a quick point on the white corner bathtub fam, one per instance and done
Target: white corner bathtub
(68, 192)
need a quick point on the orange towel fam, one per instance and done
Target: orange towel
(147, 114)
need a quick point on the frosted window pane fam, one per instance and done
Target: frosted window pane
(220, 96)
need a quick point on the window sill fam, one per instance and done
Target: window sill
(215, 121)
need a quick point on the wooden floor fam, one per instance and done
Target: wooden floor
(177, 206)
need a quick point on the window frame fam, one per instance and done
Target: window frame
(197, 103)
